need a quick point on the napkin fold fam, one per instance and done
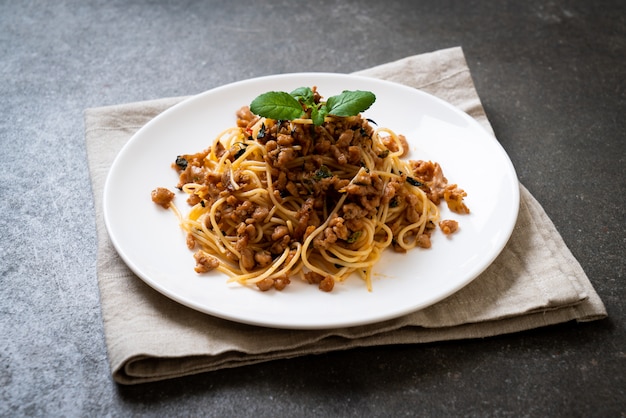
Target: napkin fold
(534, 282)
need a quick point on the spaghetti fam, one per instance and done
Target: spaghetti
(273, 200)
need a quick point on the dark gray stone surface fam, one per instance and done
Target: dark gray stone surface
(552, 77)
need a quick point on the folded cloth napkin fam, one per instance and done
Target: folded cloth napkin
(534, 282)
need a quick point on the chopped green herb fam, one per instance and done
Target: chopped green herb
(354, 237)
(413, 182)
(261, 133)
(322, 173)
(181, 162)
(241, 151)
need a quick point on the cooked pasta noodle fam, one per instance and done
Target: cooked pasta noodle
(273, 200)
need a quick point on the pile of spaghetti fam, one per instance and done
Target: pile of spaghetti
(273, 200)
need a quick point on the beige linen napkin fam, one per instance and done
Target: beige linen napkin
(534, 282)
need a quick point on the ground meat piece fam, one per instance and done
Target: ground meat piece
(243, 210)
(271, 146)
(391, 190)
(323, 185)
(354, 154)
(393, 146)
(205, 262)
(327, 284)
(370, 203)
(345, 138)
(192, 174)
(325, 239)
(353, 211)
(232, 200)
(366, 188)
(454, 198)
(245, 233)
(162, 196)
(191, 241)
(423, 241)
(292, 188)
(281, 181)
(245, 117)
(284, 140)
(193, 200)
(411, 212)
(338, 154)
(355, 224)
(313, 277)
(279, 246)
(263, 258)
(279, 232)
(265, 284)
(232, 256)
(285, 156)
(260, 213)
(247, 258)
(322, 146)
(431, 175)
(362, 178)
(448, 226)
(281, 282)
(339, 228)
(230, 182)
(303, 217)
(278, 283)
(184, 161)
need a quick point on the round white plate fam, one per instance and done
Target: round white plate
(150, 241)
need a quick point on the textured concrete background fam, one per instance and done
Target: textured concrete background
(552, 77)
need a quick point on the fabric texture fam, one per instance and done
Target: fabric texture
(534, 282)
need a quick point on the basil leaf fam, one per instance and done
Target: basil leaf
(350, 103)
(280, 105)
(318, 115)
(277, 105)
(303, 94)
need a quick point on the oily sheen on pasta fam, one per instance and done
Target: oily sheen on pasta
(273, 201)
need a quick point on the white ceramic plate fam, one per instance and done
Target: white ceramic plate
(150, 241)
